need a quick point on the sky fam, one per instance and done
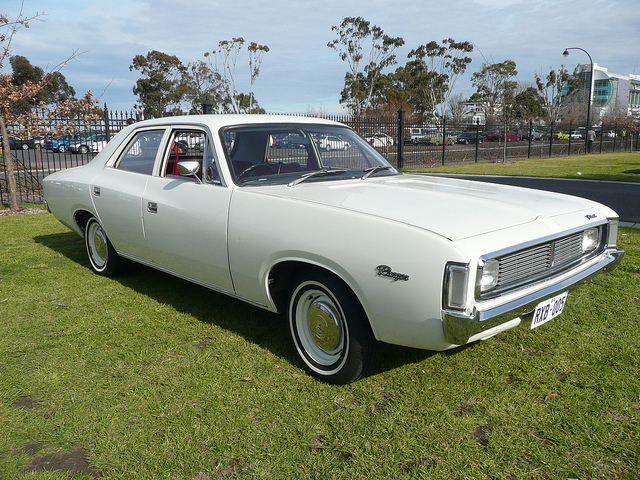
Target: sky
(300, 73)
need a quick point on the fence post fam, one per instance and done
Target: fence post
(444, 138)
(570, 129)
(400, 147)
(478, 138)
(601, 136)
(551, 141)
(530, 133)
(106, 122)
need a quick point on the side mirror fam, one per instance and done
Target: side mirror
(189, 168)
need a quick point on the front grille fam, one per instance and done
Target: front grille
(540, 262)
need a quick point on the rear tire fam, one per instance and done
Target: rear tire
(329, 329)
(102, 256)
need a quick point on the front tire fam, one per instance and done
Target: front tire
(329, 329)
(102, 256)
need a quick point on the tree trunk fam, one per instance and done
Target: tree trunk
(8, 159)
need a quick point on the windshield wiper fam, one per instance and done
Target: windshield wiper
(371, 170)
(316, 173)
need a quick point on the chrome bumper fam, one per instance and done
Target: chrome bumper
(459, 328)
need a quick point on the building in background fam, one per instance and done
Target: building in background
(613, 93)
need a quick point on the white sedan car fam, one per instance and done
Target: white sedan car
(379, 140)
(333, 142)
(352, 251)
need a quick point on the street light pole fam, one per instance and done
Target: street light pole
(591, 80)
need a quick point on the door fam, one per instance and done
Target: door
(185, 217)
(117, 193)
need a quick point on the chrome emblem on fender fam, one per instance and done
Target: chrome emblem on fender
(385, 271)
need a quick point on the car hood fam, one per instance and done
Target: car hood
(453, 208)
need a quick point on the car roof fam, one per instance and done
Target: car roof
(217, 121)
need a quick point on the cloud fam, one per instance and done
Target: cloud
(299, 69)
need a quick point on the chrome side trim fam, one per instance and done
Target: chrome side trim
(459, 328)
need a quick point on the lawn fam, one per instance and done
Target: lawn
(147, 376)
(620, 166)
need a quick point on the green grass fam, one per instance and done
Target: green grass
(621, 167)
(147, 376)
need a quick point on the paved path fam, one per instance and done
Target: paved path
(623, 197)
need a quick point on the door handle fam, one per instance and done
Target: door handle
(96, 191)
(152, 207)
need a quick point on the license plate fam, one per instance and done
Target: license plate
(548, 309)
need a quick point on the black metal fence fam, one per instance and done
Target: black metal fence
(405, 142)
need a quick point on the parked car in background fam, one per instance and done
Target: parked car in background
(98, 143)
(510, 135)
(17, 143)
(380, 140)
(535, 135)
(292, 140)
(59, 144)
(453, 136)
(466, 138)
(86, 144)
(561, 135)
(421, 135)
(578, 134)
(315, 235)
(434, 138)
(333, 142)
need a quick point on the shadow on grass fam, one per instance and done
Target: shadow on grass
(261, 327)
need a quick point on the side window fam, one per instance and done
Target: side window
(193, 150)
(140, 154)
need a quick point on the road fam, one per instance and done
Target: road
(623, 197)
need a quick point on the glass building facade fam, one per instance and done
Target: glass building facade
(611, 91)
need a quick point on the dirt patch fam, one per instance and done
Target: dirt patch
(5, 212)
(25, 402)
(30, 448)
(73, 461)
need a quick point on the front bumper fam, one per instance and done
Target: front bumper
(459, 328)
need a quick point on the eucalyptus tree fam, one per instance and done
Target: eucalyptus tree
(431, 74)
(357, 41)
(161, 90)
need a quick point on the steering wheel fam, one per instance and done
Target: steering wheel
(247, 171)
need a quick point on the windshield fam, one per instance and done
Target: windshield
(290, 154)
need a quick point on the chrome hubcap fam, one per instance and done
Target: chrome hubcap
(323, 325)
(320, 330)
(98, 244)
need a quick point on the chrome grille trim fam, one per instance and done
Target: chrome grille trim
(539, 262)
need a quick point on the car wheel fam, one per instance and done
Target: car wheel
(329, 329)
(62, 149)
(25, 146)
(102, 256)
(84, 149)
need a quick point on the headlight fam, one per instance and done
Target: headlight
(455, 286)
(488, 274)
(590, 240)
